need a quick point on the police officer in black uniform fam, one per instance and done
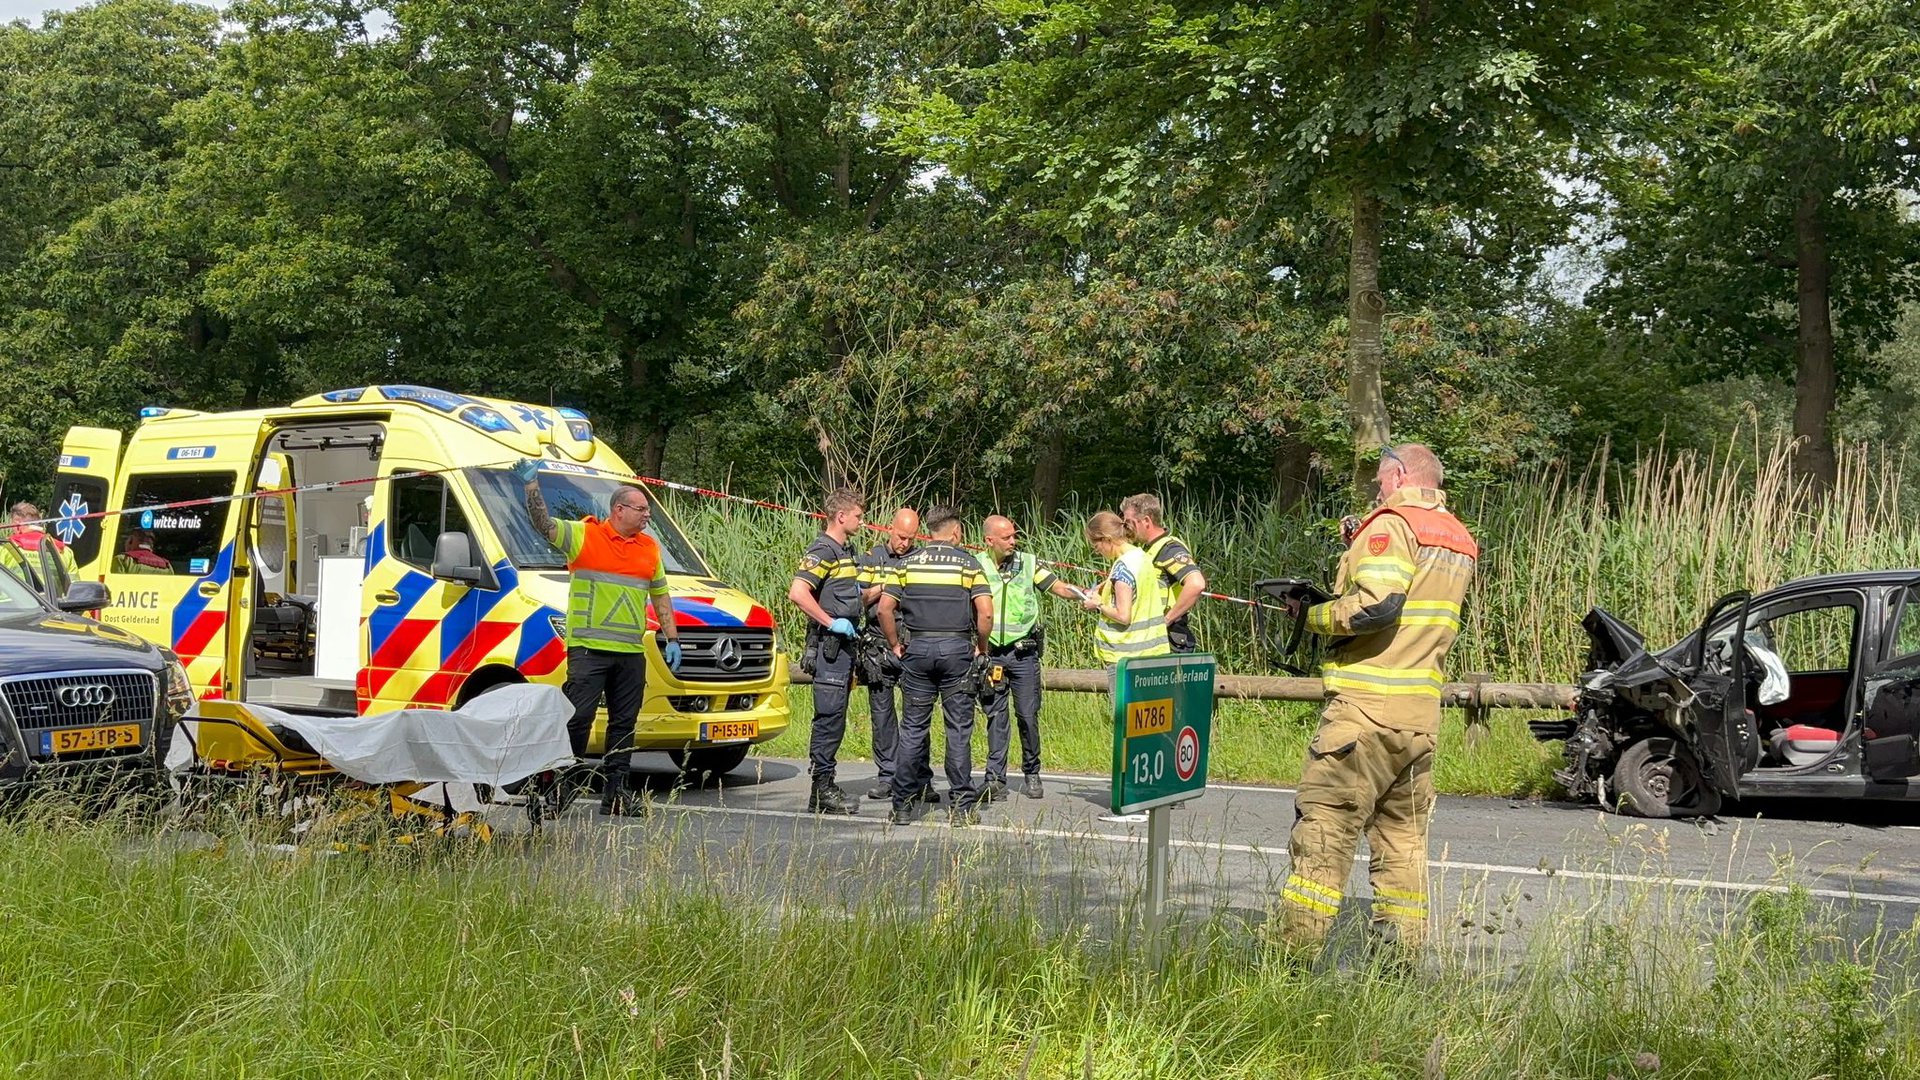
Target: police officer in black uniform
(826, 588)
(941, 597)
(877, 568)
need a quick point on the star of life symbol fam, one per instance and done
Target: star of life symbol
(537, 417)
(73, 519)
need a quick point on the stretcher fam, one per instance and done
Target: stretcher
(414, 773)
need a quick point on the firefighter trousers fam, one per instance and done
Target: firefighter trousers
(1360, 776)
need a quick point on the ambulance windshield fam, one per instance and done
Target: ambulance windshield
(569, 495)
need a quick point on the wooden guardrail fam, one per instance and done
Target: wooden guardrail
(1477, 695)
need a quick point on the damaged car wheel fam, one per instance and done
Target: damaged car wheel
(1660, 778)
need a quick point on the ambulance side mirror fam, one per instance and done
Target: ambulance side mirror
(456, 558)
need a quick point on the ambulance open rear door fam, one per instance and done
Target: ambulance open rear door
(89, 459)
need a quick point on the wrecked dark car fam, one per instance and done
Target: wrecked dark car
(1820, 700)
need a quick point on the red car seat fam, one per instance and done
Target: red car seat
(1801, 744)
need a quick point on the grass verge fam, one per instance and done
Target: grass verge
(135, 955)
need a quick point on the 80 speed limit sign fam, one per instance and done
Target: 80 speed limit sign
(1186, 753)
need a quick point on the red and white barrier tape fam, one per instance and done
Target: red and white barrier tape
(649, 481)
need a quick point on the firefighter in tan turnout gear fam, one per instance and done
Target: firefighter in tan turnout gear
(1370, 764)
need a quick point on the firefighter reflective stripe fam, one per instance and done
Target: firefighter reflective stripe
(1311, 895)
(1431, 613)
(1395, 574)
(1320, 618)
(1395, 682)
(1399, 903)
(1146, 634)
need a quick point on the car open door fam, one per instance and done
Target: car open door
(1724, 735)
(88, 460)
(1890, 720)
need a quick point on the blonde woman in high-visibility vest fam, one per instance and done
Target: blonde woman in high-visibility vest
(1132, 613)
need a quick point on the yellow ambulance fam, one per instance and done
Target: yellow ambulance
(368, 549)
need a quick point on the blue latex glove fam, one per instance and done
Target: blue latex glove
(843, 627)
(671, 651)
(525, 470)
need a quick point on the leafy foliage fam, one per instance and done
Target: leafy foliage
(949, 250)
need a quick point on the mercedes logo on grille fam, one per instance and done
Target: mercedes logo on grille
(91, 694)
(726, 654)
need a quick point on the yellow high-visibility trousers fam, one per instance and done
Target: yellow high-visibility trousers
(1360, 775)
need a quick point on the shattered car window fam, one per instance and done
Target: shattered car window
(1818, 639)
(1906, 633)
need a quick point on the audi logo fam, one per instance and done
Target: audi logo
(726, 654)
(91, 694)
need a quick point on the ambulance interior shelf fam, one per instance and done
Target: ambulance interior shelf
(304, 548)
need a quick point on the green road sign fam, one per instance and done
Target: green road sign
(1162, 728)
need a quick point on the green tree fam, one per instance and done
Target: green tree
(1370, 112)
(84, 133)
(1764, 229)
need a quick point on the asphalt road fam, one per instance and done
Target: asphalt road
(1500, 868)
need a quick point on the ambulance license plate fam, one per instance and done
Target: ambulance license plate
(729, 730)
(81, 739)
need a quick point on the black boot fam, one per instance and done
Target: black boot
(829, 799)
(615, 799)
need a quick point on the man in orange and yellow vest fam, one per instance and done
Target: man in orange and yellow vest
(616, 571)
(1370, 764)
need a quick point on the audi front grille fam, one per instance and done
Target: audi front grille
(42, 703)
(709, 654)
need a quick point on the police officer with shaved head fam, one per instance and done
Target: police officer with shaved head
(940, 598)
(1017, 643)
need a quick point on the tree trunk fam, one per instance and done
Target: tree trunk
(1292, 472)
(1815, 383)
(1366, 320)
(653, 452)
(1046, 476)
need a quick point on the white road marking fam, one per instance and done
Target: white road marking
(1105, 781)
(1716, 884)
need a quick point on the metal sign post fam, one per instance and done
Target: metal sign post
(1162, 730)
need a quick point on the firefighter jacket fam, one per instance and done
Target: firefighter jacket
(1400, 587)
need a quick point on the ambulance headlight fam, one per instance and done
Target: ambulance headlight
(559, 624)
(179, 689)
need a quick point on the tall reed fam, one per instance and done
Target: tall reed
(1655, 542)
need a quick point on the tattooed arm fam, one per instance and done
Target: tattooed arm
(537, 510)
